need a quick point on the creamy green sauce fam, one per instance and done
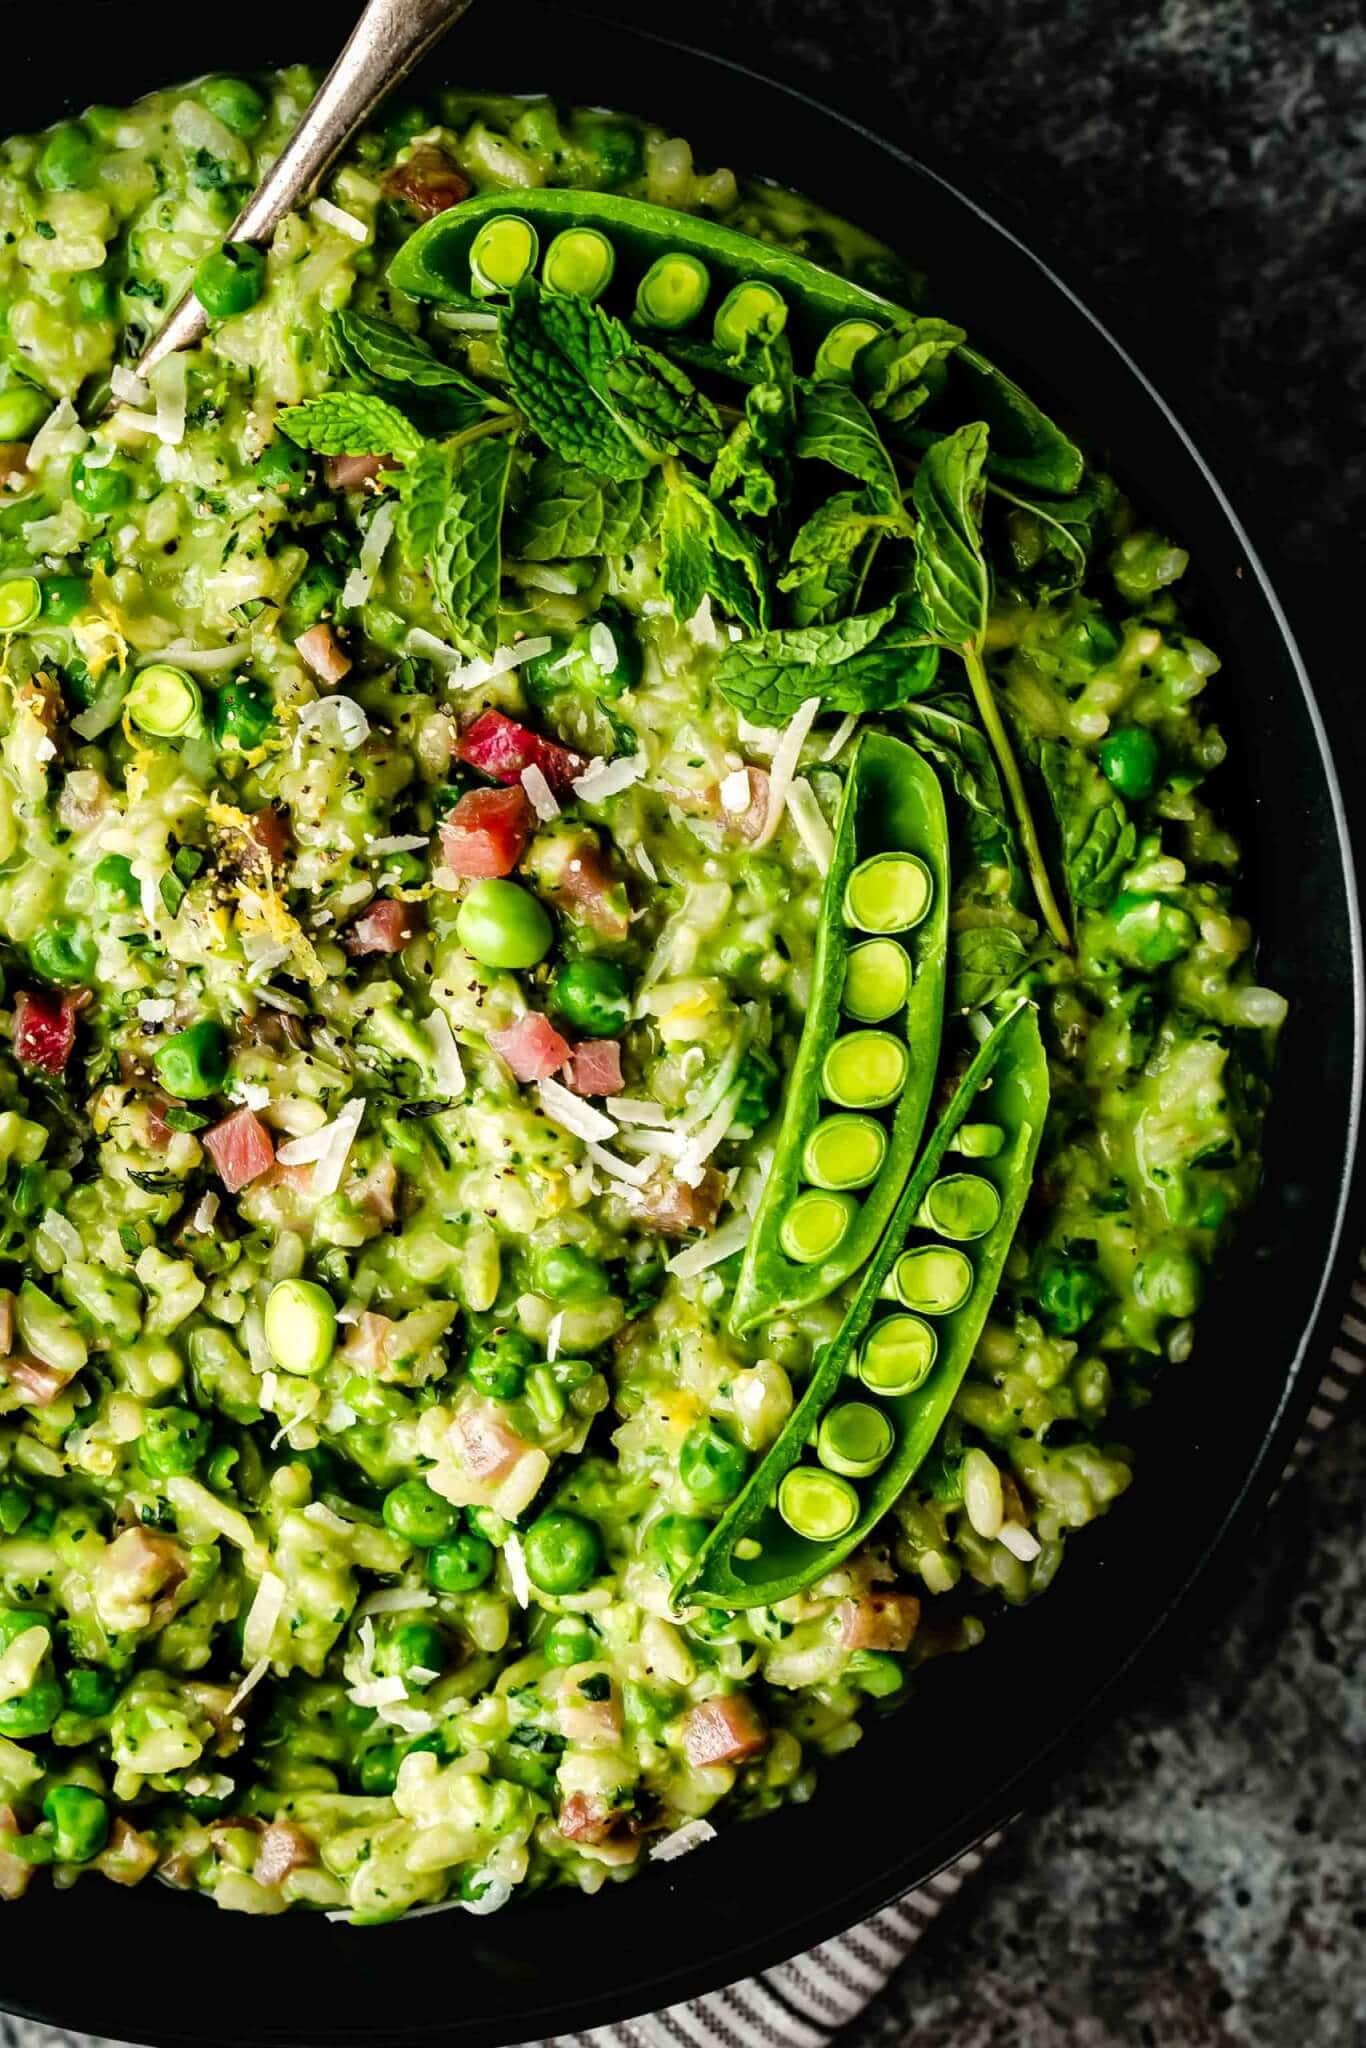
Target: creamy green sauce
(186, 1506)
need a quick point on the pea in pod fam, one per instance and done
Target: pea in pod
(686, 299)
(806, 1239)
(822, 1486)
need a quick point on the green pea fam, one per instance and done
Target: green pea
(935, 1279)
(17, 1621)
(23, 409)
(418, 1515)
(503, 925)
(752, 309)
(116, 882)
(711, 1464)
(877, 980)
(100, 491)
(62, 953)
(282, 467)
(68, 161)
(173, 1440)
(502, 253)
(33, 1712)
(569, 1641)
(415, 1646)
(676, 1539)
(90, 1692)
(21, 600)
(961, 1206)
(377, 1770)
(854, 1438)
(79, 1820)
(460, 1565)
(193, 1063)
(164, 702)
(579, 263)
(314, 597)
(241, 716)
(498, 1366)
(1129, 758)
(1069, 1292)
(593, 996)
(95, 295)
(844, 1151)
(876, 1673)
(888, 892)
(816, 1225)
(1149, 931)
(865, 1069)
(238, 105)
(817, 1504)
(1090, 639)
(564, 1273)
(300, 1326)
(230, 280)
(673, 291)
(563, 1552)
(64, 598)
(897, 1355)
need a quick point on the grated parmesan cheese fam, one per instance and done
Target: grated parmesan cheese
(397, 1600)
(809, 820)
(339, 722)
(337, 217)
(633, 1109)
(786, 755)
(127, 386)
(840, 738)
(472, 675)
(249, 1684)
(736, 795)
(266, 1610)
(517, 1571)
(446, 1063)
(327, 1150)
(552, 1336)
(693, 1156)
(573, 1114)
(539, 793)
(633, 1171)
(691, 1835)
(601, 779)
(359, 584)
(732, 1237)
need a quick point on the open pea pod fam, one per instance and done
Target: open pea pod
(859, 1090)
(881, 1390)
(695, 280)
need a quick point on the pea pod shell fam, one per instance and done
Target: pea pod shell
(1014, 1061)
(892, 800)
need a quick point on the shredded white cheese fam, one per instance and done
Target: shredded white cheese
(840, 738)
(399, 842)
(361, 581)
(378, 1692)
(539, 793)
(446, 1064)
(601, 779)
(732, 1237)
(517, 1571)
(339, 721)
(202, 1220)
(786, 755)
(155, 1009)
(637, 1109)
(266, 1609)
(633, 1171)
(736, 794)
(691, 1835)
(126, 386)
(251, 1094)
(809, 820)
(763, 738)
(694, 1155)
(249, 1684)
(472, 675)
(602, 647)
(205, 659)
(331, 1165)
(573, 1114)
(397, 1600)
(552, 1336)
(337, 217)
(60, 434)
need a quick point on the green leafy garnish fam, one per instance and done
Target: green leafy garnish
(566, 513)
(900, 371)
(1095, 830)
(866, 663)
(465, 557)
(660, 407)
(829, 557)
(835, 426)
(371, 349)
(350, 423)
(953, 584)
(554, 350)
(706, 554)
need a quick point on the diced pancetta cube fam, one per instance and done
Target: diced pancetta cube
(45, 1027)
(532, 1047)
(352, 472)
(36, 1383)
(15, 1874)
(591, 1724)
(486, 1447)
(579, 879)
(385, 927)
(427, 181)
(879, 1621)
(594, 1067)
(673, 1209)
(324, 654)
(240, 1148)
(723, 1730)
(284, 1849)
(487, 832)
(499, 747)
(127, 1857)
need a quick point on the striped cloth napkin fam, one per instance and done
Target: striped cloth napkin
(803, 2003)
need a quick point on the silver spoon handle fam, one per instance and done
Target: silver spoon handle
(385, 44)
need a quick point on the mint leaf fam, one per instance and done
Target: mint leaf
(951, 576)
(943, 730)
(752, 470)
(376, 350)
(1095, 830)
(566, 513)
(867, 663)
(465, 558)
(660, 407)
(1051, 538)
(835, 426)
(986, 959)
(553, 349)
(424, 490)
(823, 573)
(898, 372)
(705, 554)
(349, 423)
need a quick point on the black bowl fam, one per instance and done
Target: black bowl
(984, 1729)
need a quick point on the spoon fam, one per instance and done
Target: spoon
(385, 44)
